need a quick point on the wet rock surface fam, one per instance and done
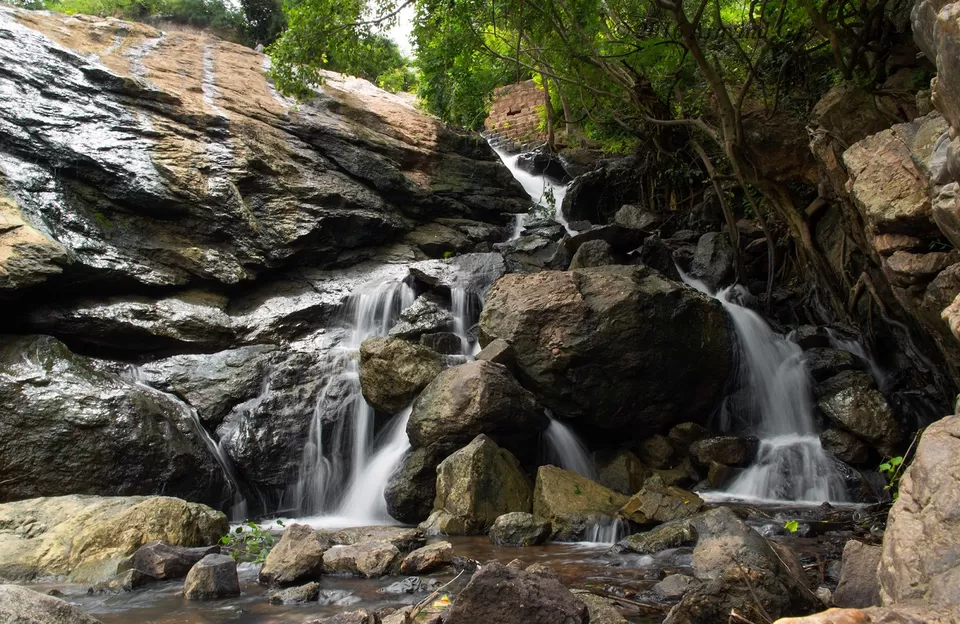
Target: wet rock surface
(519, 528)
(558, 322)
(214, 576)
(86, 538)
(25, 606)
(571, 503)
(297, 557)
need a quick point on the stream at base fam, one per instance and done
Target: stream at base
(579, 565)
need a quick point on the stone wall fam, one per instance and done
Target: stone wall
(514, 118)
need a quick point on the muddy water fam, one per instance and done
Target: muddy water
(586, 566)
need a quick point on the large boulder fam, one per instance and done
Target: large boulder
(572, 503)
(713, 261)
(393, 371)
(426, 315)
(67, 427)
(519, 528)
(19, 605)
(921, 546)
(663, 537)
(475, 486)
(163, 561)
(214, 576)
(614, 345)
(427, 559)
(474, 398)
(297, 557)
(865, 413)
(499, 594)
(412, 488)
(739, 571)
(623, 472)
(86, 538)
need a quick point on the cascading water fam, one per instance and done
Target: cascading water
(564, 449)
(839, 342)
(791, 465)
(238, 510)
(541, 189)
(327, 465)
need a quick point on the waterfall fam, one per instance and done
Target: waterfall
(238, 510)
(791, 465)
(606, 531)
(839, 342)
(328, 464)
(544, 192)
(566, 450)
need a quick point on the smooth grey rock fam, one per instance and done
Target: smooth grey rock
(164, 561)
(858, 586)
(214, 576)
(519, 528)
(297, 557)
(675, 586)
(19, 605)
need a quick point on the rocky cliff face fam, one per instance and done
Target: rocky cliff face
(160, 203)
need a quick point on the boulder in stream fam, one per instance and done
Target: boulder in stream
(367, 559)
(619, 347)
(475, 486)
(163, 561)
(572, 503)
(87, 538)
(519, 529)
(427, 559)
(393, 371)
(297, 557)
(657, 502)
(499, 594)
(214, 576)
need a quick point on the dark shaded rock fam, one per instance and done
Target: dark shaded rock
(475, 486)
(685, 434)
(727, 450)
(823, 363)
(623, 472)
(437, 241)
(499, 594)
(394, 371)
(675, 586)
(602, 611)
(597, 344)
(656, 451)
(164, 561)
(296, 595)
(858, 586)
(519, 529)
(592, 253)
(297, 557)
(655, 254)
(472, 272)
(846, 446)
(540, 162)
(810, 337)
(474, 398)
(72, 428)
(19, 605)
(663, 537)
(718, 474)
(427, 559)
(214, 576)
(444, 343)
(534, 252)
(713, 261)
(865, 413)
(411, 490)
(847, 379)
(572, 503)
(620, 239)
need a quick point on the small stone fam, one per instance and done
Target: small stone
(214, 576)
(367, 559)
(123, 582)
(675, 586)
(427, 559)
(498, 351)
(296, 595)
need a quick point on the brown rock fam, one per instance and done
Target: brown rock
(297, 557)
(858, 586)
(427, 559)
(657, 502)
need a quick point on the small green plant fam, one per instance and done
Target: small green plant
(576, 490)
(792, 525)
(447, 255)
(890, 470)
(249, 542)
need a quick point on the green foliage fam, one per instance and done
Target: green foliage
(398, 79)
(249, 542)
(792, 526)
(891, 470)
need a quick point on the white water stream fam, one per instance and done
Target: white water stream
(544, 192)
(791, 464)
